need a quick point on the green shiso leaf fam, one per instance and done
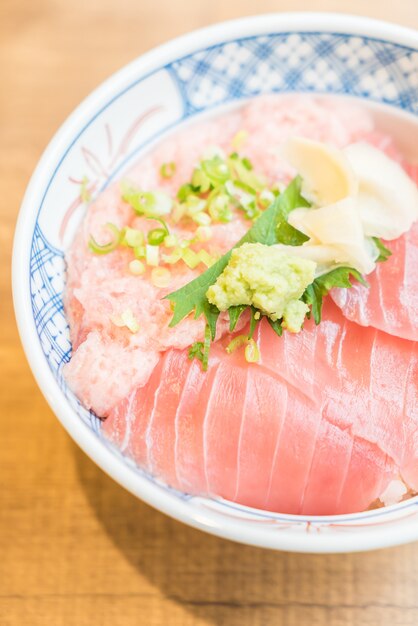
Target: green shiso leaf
(316, 291)
(276, 326)
(285, 233)
(253, 321)
(234, 313)
(200, 350)
(196, 351)
(289, 236)
(384, 253)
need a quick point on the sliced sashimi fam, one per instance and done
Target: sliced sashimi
(328, 469)
(410, 428)
(138, 407)
(360, 374)
(224, 413)
(262, 423)
(161, 427)
(316, 427)
(369, 473)
(296, 447)
(189, 420)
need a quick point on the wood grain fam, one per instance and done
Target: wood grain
(75, 548)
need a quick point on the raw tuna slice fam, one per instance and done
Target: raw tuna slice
(321, 425)
(391, 301)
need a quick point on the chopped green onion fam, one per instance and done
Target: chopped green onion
(231, 189)
(184, 192)
(239, 139)
(160, 277)
(178, 212)
(240, 184)
(127, 319)
(107, 247)
(252, 211)
(167, 170)
(174, 257)
(205, 258)
(170, 241)
(237, 342)
(195, 205)
(203, 233)
(139, 252)
(217, 170)
(130, 321)
(200, 180)
(203, 219)
(133, 237)
(191, 259)
(219, 207)
(156, 236)
(252, 353)
(245, 198)
(265, 198)
(161, 221)
(206, 348)
(152, 255)
(146, 202)
(85, 194)
(242, 171)
(136, 267)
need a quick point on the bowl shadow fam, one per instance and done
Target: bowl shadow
(220, 582)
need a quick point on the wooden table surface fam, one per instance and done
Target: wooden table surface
(75, 548)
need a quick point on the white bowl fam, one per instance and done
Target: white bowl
(188, 76)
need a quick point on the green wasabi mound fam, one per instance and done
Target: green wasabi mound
(267, 278)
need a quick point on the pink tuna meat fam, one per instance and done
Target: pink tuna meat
(320, 426)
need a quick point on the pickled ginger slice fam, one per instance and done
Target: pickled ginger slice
(337, 226)
(326, 172)
(387, 198)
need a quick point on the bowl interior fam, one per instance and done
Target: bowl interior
(125, 117)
